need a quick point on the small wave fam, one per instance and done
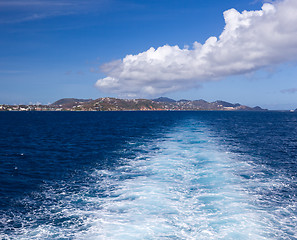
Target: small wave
(182, 186)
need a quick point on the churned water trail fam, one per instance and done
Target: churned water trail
(184, 184)
(187, 190)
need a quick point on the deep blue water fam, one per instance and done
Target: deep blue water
(148, 175)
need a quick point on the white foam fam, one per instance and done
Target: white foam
(190, 188)
(187, 191)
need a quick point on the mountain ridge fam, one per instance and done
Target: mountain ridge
(158, 104)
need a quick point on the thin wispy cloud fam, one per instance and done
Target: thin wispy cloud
(12, 71)
(289, 91)
(32, 3)
(22, 11)
(250, 41)
(32, 17)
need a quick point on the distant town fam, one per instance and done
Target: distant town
(116, 104)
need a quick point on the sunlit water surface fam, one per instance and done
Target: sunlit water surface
(183, 175)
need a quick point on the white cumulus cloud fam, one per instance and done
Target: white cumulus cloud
(250, 41)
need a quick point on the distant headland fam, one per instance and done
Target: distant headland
(116, 104)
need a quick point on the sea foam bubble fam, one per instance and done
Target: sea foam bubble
(183, 185)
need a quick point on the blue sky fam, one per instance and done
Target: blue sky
(56, 49)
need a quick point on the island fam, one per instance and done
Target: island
(117, 104)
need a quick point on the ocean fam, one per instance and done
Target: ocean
(148, 175)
